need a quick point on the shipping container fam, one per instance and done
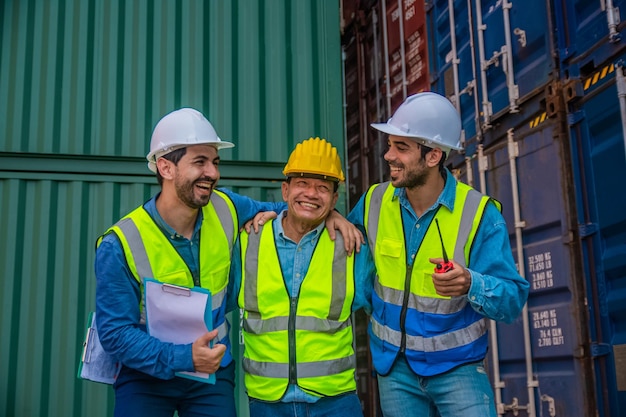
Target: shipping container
(540, 88)
(82, 84)
(385, 59)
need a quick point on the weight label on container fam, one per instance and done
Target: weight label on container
(547, 329)
(540, 269)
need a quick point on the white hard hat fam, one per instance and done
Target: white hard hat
(181, 128)
(429, 118)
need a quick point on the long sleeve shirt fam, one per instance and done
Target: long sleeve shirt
(497, 291)
(118, 295)
(294, 260)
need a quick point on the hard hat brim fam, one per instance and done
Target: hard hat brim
(154, 155)
(392, 130)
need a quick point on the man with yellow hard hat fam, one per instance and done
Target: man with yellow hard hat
(298, 289)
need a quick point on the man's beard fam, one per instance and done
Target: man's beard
(185, 192)
(412, 179)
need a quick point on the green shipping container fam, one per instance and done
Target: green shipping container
(82, 83)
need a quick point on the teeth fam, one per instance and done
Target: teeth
(205, 185)
(313, 206)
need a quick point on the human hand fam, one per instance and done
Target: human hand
(454, 283)
(352, 236)
(207, 359)
(259, 220)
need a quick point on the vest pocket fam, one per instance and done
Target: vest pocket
(428, 287)
(181, 278)
(390, 247)
(219, 278)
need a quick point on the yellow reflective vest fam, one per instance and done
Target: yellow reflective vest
(150, 254)
(305, 340)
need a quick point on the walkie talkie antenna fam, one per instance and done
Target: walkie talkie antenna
(447, 265)
(443, 249)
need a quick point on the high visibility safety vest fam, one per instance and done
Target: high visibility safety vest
(435, 332)
(150, 254)
(306, 340)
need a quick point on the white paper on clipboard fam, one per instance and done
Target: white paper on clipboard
(178, 315)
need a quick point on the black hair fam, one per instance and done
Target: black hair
(424, 151)
(174, 156)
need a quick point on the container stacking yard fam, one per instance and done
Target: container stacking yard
(541, 91)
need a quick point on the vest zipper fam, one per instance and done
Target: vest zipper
(405, 302)
(291, 332)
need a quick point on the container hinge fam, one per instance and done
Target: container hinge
(587, 229)
(600, 349)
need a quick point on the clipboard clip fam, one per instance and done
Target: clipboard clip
(176, 290)
(86, 356)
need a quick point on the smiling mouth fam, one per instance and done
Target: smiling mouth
(205, 185)
(308, 205)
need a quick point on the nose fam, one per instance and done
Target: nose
(212, 171)
(389, 154)
(310, 190)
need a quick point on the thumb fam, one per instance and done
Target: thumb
(207, 337)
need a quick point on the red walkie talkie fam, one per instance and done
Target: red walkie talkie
(446, 265)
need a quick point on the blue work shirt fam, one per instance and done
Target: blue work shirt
(295, 259)
(497, 291)
(118, 295)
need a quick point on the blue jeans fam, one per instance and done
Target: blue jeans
(345, 405)
(463, 391)
(138, 394)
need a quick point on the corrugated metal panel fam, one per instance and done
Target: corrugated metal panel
(92, 78)
(82, 84)
(51, 227)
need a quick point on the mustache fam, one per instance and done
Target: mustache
(206, 179)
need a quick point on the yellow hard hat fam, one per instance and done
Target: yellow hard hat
(314, 157)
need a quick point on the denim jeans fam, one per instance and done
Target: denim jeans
(345, 405)
(463, 391)
(138, 394)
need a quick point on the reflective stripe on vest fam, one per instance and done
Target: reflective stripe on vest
(438, 343)
(267, 333)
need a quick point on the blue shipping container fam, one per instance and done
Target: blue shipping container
(557, 164)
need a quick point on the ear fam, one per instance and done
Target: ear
(433, 157)
(335, 198)
(166, 168)
(284, 189)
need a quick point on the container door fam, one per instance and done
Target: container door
(597, 144)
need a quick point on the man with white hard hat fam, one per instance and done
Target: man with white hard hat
(428, 329)
(182, 236)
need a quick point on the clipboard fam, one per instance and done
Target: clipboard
(178, 315)
(95, 364)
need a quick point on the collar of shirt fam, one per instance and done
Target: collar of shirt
(446, 198)
(150, 207)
